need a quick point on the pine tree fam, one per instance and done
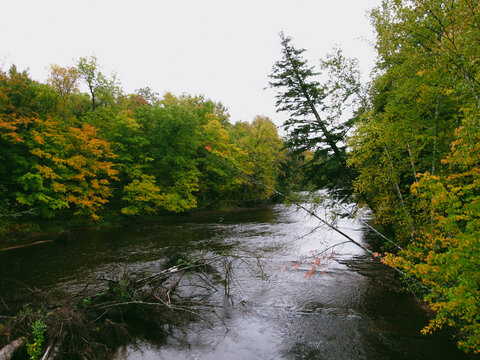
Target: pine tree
(300, 95)
(315, 123)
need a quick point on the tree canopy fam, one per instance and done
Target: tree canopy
(72, 155)
(415, 149)
(407, 142)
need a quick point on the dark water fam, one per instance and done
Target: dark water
(348, 309)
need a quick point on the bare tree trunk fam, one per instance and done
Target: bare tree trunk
(400, 196)
(414, 168)
(435, 134)
(8, 351)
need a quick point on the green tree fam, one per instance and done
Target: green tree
(65, 82)
(186, 155)
(445, 256)
(263, 158)
(103, 91)
(218, 159)
(46, 165)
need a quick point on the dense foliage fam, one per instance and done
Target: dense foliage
(65, 154)
(410, 140)
(417, 154)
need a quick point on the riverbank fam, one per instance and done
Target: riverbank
(31, 233)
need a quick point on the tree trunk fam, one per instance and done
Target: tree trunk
(8, 351)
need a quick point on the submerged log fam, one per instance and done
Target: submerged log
(26, 245)
(8, 351)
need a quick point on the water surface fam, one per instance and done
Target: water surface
(350, 308)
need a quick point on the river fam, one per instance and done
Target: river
(350, 308)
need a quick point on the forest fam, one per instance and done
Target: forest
(67, 154)
(405, 145)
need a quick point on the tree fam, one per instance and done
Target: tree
(88, 69)
(102, 90)
(186, 155)
(45, 165)
(299, 94)
(263, 157)
(317, 111)
(446, 254)
(417, 155)
(417, 100)
(142, 196)
(65, 82)
(218, 158)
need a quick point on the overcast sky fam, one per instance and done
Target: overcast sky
(219, 48)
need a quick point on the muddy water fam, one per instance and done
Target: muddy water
(349, 308)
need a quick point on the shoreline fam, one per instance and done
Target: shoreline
(53, 232)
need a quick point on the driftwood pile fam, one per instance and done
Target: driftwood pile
(92, 324)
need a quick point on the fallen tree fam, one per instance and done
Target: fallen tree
(7, 352)
(94, 322)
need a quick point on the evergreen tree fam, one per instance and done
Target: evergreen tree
(316, 111)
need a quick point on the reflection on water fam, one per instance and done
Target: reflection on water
(347, 310)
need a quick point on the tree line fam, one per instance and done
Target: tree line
(67, 154)
(407, 144)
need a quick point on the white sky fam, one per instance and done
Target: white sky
(219, 48)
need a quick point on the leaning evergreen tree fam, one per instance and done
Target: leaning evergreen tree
(304, 99)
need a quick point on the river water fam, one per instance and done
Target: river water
(349, 308)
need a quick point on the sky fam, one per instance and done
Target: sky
(221, 49)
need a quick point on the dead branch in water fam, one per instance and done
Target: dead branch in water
(92, 324)
(26, 245)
